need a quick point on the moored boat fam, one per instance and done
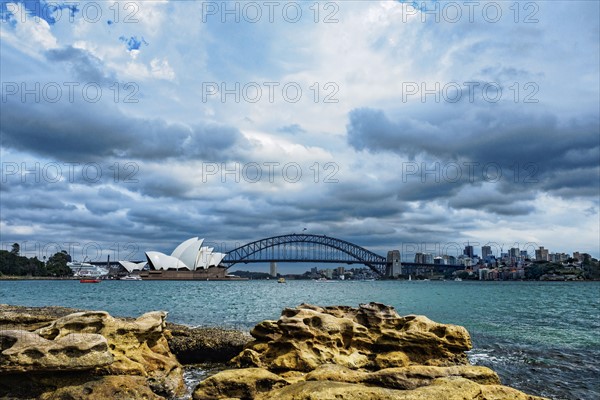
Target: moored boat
(131, 278)
(89, 280)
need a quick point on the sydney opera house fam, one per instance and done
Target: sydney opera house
(189, 260)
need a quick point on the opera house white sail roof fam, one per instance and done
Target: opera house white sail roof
(130, 266)
(188, 255)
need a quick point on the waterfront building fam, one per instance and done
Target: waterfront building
(483, 274)
(541, 254)
(486, 251)
(424, 258)
(439, 260)
(131, 266)
(189, 255)
(466, 261)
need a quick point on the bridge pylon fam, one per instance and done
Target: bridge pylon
(393, 267)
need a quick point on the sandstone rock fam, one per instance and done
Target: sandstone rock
(198, 345)
(372, 336)
(238, 383)
(30, 318)
(498, 392)
(104, 388)
(319, 390)
(139, 347)
(23, 351)
(369, 352)
(406, 378)
(446, 389)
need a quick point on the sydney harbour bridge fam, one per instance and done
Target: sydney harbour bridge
(308, 248)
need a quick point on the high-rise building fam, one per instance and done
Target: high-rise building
(524, 254)
(273, 269)
(486, 251)
(514, 252)
(424, 258)
(428, 258)
(419, 258)
(541, 254)
(468, 251)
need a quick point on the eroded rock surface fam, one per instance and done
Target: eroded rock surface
(139, 347)
(23, 351)
(108, 349)
(369, 352)
(372, 336)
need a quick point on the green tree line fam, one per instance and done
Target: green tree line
(13, 264)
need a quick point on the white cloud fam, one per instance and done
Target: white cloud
(31, 33)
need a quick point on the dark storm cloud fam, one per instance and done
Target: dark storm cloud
(487, 199)
(107, 201)
(83, 65)
(78, 132)
(540, 148)
(29, 202)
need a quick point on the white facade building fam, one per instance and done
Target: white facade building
(189, 255)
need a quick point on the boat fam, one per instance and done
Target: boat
(86, 270)
(457, 279)
(131, 278)
(281, 280)
(89, 280)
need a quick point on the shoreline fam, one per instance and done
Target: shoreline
(49, 278)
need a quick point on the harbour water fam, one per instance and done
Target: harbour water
(541, 337)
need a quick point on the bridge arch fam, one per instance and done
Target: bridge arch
(348, 253)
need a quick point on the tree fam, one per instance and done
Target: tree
(57, 264)
(15, 249)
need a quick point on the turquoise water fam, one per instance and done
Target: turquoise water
(540, 337)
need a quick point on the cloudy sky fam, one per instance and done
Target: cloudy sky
(132, 126)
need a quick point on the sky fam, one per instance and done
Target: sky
(418, 126)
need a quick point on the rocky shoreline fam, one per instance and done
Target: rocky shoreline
(311, 352)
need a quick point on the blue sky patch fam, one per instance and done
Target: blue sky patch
(133, 43)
